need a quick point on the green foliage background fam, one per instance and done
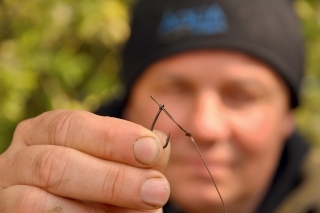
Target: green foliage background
(58, 54)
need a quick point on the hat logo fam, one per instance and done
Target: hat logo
(200, 20)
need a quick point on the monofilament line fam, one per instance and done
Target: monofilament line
(188, 134)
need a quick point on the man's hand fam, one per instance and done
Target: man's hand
(75, 161)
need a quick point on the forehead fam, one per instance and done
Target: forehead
(212, 67)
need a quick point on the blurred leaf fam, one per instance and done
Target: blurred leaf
(58, 54)
(65, 54)
(308, 115)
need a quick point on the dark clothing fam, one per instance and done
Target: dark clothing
(296, 184)
(288, 174)
(305, 196)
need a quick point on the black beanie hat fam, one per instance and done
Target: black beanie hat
(265, 29)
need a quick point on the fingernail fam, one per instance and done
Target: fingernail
(146, 150)
(155, 192)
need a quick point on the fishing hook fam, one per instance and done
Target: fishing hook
(188, 134)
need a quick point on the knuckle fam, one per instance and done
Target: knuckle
(114, 133)
(110, 134)
(107, 148)
(28, 201)
(22, 200)
(21, 128)
(113, 184)
(59, 128)
(57, 125)
(91, 209)
(50, 167)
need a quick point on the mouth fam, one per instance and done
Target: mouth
(219, 168)
(219, 160)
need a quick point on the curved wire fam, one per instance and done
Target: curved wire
(161, 107)
(188, 134)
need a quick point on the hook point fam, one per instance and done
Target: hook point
(167, 141)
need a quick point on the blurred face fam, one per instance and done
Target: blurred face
(237, 110)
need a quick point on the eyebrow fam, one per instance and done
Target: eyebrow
(245, 82)
(173, 78)
(249, 83)
(170, 75)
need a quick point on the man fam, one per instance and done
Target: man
(227, 71)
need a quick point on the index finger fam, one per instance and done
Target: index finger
(103, 137)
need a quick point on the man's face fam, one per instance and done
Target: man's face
(237, 110)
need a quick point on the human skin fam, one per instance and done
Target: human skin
(103, 164)
(237, 110)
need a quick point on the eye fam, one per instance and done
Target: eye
(176, 88)
(237, 97)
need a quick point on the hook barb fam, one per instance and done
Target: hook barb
(167, 141)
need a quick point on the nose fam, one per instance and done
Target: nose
(210, 118)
